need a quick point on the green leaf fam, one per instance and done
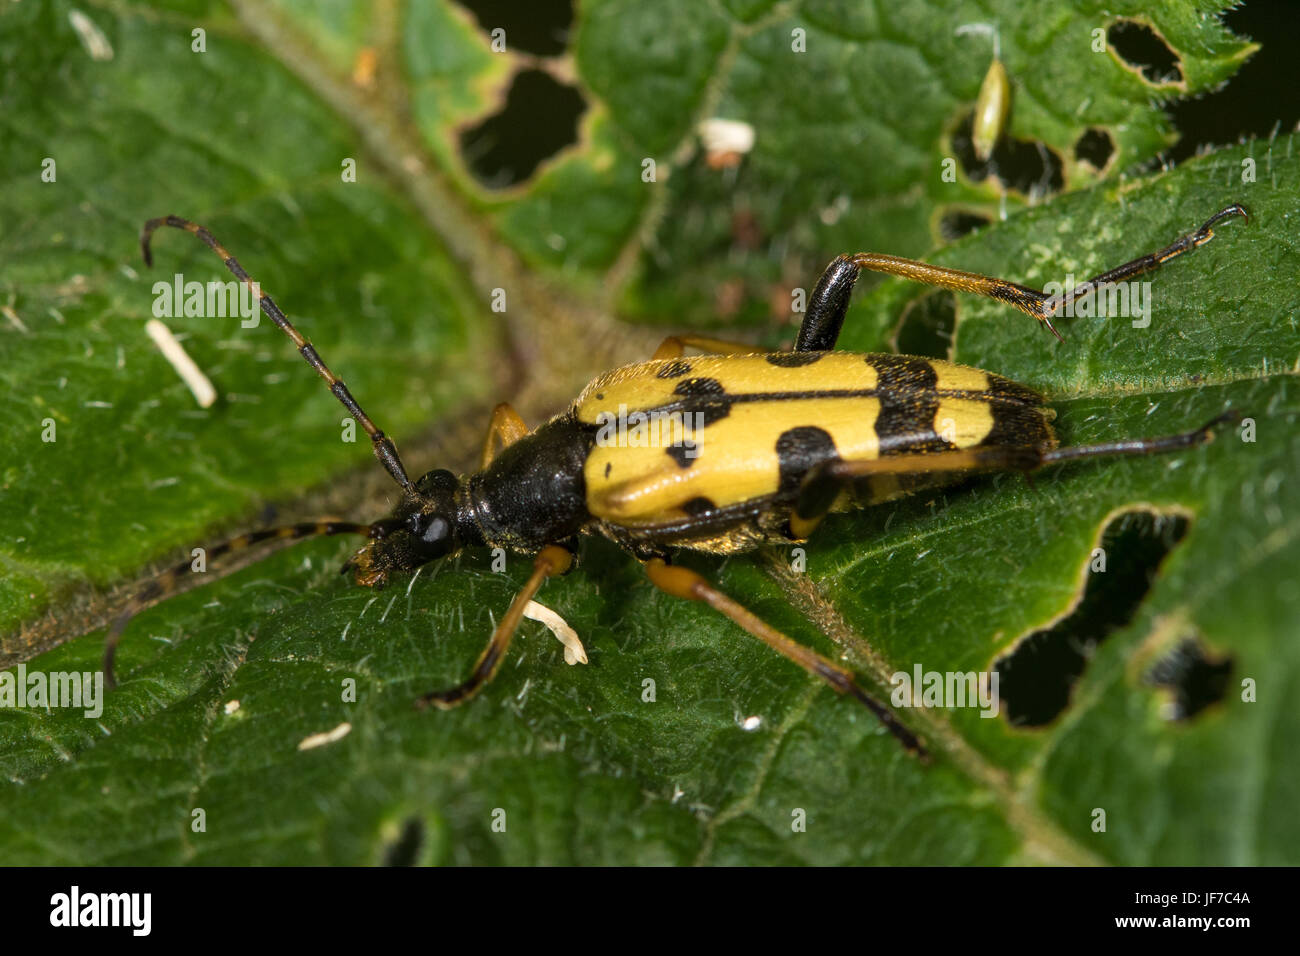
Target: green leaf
(392, 277)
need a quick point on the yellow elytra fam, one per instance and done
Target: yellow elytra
(719, 431)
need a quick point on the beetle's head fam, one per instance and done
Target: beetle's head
(430, 524)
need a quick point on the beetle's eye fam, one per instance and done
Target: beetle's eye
(432, 533)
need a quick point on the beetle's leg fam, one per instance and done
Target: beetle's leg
(383, 446)
(1147, 263)
(550, 561)
(675, 346)
(683, 583)
(827, 306)
(830, 299)
(166, 582)
(506, 425)
(1128, 447)
(822, 484)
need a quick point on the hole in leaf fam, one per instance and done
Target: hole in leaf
(1095, 147)
(1262, 97)
(1146, 51)
(956, 223)
(540, 26)
(926, 326)
(1194, 679)
(539, 119)
(1035, 679)
(1029, 167)
(405, 850)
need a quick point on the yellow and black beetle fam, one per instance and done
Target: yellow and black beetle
(775, 441)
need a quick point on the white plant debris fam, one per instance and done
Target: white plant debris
(725, 141)
(328, 737)
(574, 652)
(91, 36)
(180, 360)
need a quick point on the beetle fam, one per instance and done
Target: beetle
(777, 440)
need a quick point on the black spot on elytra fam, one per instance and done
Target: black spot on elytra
(1038, 676)
(1017, 415)
(696, 387)
(608, 466)
(798, 451)
(699, 506)
(684, 453)
(1194, 678)
(908, 403)
(903, 372)
(704, 397)
(793, 359)
(674, 370)
(1004, 389)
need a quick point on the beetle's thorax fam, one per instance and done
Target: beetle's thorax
(533, 493)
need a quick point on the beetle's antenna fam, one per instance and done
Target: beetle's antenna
(166, 582)
(384, 448)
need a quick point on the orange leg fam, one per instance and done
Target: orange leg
(550, 561)
(505, 425)
(686, 584)
(675, 346)
(825, 327)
